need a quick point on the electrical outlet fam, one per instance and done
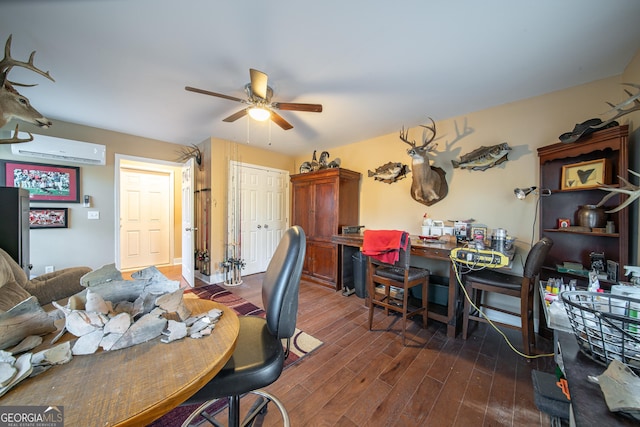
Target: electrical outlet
(49, 269)
(93, 214)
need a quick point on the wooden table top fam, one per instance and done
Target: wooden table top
(135, 385)
(436, 249)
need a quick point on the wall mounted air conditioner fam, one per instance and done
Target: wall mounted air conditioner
(49, 147)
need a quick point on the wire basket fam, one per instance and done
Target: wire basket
(606, 326)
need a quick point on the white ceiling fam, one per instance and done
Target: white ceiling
(375, 66)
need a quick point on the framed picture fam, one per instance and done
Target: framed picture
(478, 233)
(589, 174)
(46, 183)
(48, 218)
(564, 222)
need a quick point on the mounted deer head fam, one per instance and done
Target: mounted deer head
(429, 184)
(12, 104)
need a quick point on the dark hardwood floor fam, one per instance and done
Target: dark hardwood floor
(367, 378)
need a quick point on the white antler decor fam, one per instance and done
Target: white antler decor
(12, 104)
(633, 104)
(633, 191)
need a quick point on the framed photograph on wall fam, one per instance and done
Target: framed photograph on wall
(588, 174)
(46, 183)
(48, 218)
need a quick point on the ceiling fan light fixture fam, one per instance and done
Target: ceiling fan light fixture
(260, 114)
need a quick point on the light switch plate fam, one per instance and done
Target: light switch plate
(93, 214)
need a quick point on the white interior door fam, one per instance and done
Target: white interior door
(188, 229)
(145, 205)
(258, 206)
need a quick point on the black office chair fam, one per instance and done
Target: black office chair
(259, 356)
(523, 287)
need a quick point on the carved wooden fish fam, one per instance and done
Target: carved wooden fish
(483, 158)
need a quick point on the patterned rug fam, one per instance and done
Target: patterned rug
(301, 343)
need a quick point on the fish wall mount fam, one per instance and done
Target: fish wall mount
(483, 158)
(390, 172)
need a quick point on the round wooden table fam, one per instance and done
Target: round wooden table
(135, 385)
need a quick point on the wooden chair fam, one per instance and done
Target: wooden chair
(402, 277)
(523, 287)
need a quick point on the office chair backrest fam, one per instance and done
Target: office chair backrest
(536, 257)
(281, 283)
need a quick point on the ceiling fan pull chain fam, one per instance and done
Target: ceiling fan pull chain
(248, 132)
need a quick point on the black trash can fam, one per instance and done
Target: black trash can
(360, 274)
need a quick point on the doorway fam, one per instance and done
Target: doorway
(145, 207)
(258, 213)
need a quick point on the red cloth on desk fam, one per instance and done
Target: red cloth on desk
(384, 245)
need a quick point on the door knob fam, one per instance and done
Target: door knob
(191, 229)
(259, 226)
(266, 226)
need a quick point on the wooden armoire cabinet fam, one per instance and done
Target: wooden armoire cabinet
(610, 147)
(323, 202)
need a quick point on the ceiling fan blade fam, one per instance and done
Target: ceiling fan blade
(219, 95)
(236, 116)
(277, 119)
(292, 106)
(258, 83)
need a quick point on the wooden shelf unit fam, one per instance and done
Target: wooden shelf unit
(610, 144)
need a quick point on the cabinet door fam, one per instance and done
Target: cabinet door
(325, 210)
(303, 207)
(324, 259)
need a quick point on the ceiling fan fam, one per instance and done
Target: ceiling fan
(260, 107)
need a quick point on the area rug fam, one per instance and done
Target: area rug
(301, 343)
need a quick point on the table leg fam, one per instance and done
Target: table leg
(453, 313)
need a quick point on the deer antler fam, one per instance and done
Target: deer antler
(8, 63)
(404, 136)
(14, 139)
(633, 191)
(633, 101)
(187, 153)
(12, 104)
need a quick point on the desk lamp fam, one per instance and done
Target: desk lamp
(522, 193)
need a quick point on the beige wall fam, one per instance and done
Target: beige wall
(485, 196)
(222, 152)
(90, 242)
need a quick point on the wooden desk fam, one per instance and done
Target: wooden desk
(587, 402)
(135, 385)
(350, 243)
